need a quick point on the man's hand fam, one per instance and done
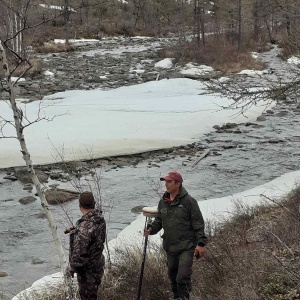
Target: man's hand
(147, 232)
(69, 272)
(68, 230)
(199, 252)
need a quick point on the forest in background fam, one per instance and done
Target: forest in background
(234, 24)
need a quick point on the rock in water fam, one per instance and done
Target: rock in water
(26, 200)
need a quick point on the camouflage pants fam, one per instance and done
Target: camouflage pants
(89, 282)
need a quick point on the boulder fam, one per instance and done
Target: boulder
(231, 125)
(57, 196)
(23, 175)
(261, 119)
(37, 261)
(28, 187)
(282, 113)
(41, 215)
(11, 177)
(27, 200)
(3, 274)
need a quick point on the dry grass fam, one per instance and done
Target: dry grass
(220, 54)
(35, 69)
(254, 257)
(290, 45)
(121, 282)
(55, 48)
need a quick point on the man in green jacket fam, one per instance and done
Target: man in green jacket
(180, 217)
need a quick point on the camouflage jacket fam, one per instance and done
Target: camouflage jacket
(87, 242)
(182, 222)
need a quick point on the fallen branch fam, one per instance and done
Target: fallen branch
(204, 154)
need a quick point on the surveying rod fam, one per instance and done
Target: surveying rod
(149, 213)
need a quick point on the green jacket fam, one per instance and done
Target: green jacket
(182, 222)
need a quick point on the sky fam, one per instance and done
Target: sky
(126, 120)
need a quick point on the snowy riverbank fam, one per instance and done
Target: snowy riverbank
(213, 210)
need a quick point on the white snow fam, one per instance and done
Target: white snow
(254, 55)
(55, 7)
(14, 79)
(194, 69)
(139, 69)
(223, 79)
(120, 121)
(48, 73)
(213, 210)
(294, 60)
(166, 63)
(254, 73)
(76, 41)
(119, 50)
(46, 284)
(153, 115)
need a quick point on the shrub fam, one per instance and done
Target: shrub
(35, 69)
(218, 53)
(55, 48)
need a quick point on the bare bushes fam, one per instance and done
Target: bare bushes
(55, 48)
(290, 45)
(219, 53)
(121, 282)
(254, 257)
(34, 69)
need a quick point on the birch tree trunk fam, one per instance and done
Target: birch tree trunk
(239, 24)
(18, 115)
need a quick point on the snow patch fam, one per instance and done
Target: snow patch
(55, 7)
(223, 79)
(194, 69)
(294, 60)
(14, 79)
(118, 51)
(76, 42)
(166, 63)
(48, 73)
(254, 73)
(255, 55)
(39, 287)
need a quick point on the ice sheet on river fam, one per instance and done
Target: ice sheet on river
(153, 115)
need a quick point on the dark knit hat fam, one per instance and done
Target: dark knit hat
(86, 200)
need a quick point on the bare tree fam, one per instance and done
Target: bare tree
(10, 60)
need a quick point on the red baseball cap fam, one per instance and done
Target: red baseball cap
(172, 176)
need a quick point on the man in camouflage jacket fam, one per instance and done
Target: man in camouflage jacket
(181, 219)
(86, 246)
